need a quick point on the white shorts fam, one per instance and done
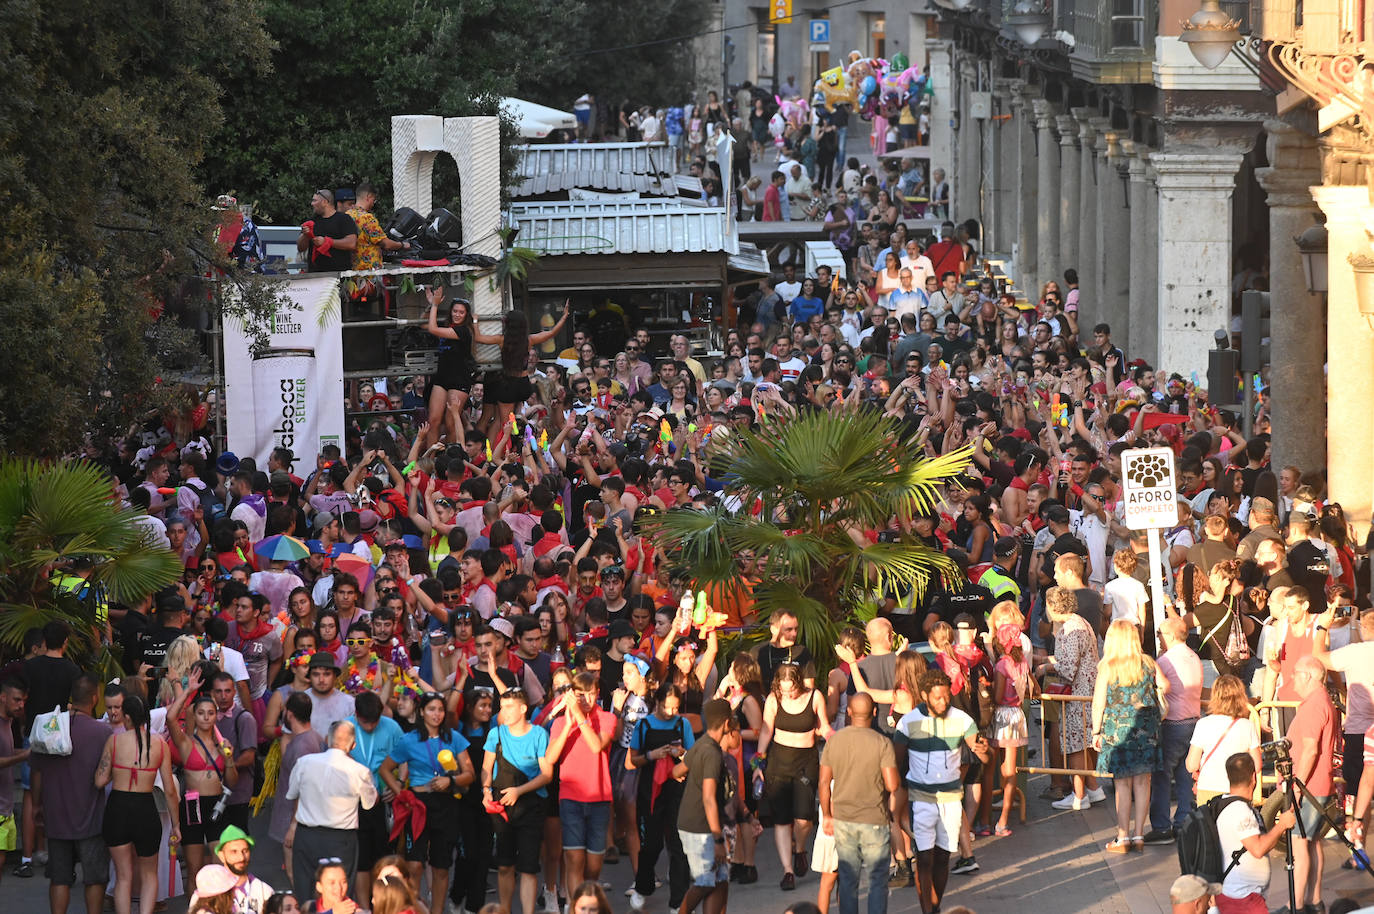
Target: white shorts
(936, 824)
(825, 858)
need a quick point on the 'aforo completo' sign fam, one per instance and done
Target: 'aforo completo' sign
(1149, 494)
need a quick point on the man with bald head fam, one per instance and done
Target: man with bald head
(858, 789)
(329, 788)
(1313, 737)
(879, 668)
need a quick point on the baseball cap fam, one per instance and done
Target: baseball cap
(1005, 546)
(214, 880)
(316, 547)
(1188, 888)
(622, 629)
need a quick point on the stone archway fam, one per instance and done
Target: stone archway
(474, 143)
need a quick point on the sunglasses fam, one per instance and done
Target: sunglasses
(455, 595)
(358, 642)
(329, 861)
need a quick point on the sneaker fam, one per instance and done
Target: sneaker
(748, 874)
(964, 865)
(611, 856)
(24, 870)
(799, 864)
(1316, 908)
(548, 901)
(41, 858)
(636, 901)
(901, 876)
(1160, 836)
(789, 882)
(1052, 793)
(1096, 796)
(1071, 801)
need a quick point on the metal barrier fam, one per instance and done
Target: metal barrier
(1044, 748)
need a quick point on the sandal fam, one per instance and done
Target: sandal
(1138, 844)
(983, 831)
(1118, 846)
(1001, 832)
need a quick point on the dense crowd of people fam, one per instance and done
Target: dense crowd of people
(461, 649)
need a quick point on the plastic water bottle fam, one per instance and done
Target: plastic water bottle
(559, 659)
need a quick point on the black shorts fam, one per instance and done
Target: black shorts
(196, 825)
(91, 853)
(131, 818)
(503, 388)
(374, 841)
(518, 839)
(436, 843)
(457, 379)
(789, 784)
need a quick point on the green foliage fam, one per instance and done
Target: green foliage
(660, 73)
(822, 480)
(106, 112)
(50, 514)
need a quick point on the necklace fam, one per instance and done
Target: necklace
(355, 682)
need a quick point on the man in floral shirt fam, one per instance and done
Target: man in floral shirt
(372, 241)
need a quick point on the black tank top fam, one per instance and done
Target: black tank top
(801, 722)
(455, 356)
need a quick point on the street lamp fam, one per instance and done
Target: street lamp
(1363, 265)
(1312, 248)
(1029, 21)
(1210, 34)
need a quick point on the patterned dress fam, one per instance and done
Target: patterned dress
(1075, 658)
(1130, 727)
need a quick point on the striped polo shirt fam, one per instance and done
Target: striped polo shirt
(933, 754)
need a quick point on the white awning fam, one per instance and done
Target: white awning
(537, 121)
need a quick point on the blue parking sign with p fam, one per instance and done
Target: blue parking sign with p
(820, 31)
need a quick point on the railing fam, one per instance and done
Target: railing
(1103, 29)
(1044, 747)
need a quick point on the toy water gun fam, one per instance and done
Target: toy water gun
(529, 437)
(699, 613)
(488, 452)
(408, 468)
(1059, 412)
(450, 765)
(514, 428)
(544, 440)
(665, 437)
(706, 435)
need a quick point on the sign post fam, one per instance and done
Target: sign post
(1149, 495)
(780, 11)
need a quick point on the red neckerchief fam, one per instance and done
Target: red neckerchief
(263, 628)
(552, 581)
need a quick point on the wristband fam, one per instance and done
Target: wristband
(719, 839)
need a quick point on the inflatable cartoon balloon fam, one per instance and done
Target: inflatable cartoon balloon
(900, 61)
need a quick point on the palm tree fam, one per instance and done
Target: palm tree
(810, 488)
(50, 514)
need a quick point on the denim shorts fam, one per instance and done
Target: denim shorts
(584, 825)
(700, 850)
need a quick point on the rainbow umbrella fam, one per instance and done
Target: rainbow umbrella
(281, 548)
(357, 566)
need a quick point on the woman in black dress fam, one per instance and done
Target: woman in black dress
(512, 385)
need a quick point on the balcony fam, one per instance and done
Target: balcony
(1114, 40)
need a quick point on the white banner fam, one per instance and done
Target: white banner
(291, 394)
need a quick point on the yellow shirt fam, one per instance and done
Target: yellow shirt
(368, 254)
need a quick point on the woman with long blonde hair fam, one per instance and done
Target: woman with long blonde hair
(1126, 725)
(182, 654)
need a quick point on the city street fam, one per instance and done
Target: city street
(1054, 862)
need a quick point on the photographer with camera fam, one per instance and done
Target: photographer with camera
(1245, 845)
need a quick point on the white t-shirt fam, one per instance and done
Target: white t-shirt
(1127, 598)
(792, 369)
(1209, 731)
(1250, 875)
(1356, 661)
(788, 290)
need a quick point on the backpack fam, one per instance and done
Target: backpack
(1199, 842)
(210, 504)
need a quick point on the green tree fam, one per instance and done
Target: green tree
(645, 58)
(51, 514)
(821, 481)
(106, 112)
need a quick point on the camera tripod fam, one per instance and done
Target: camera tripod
(1293, 786)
